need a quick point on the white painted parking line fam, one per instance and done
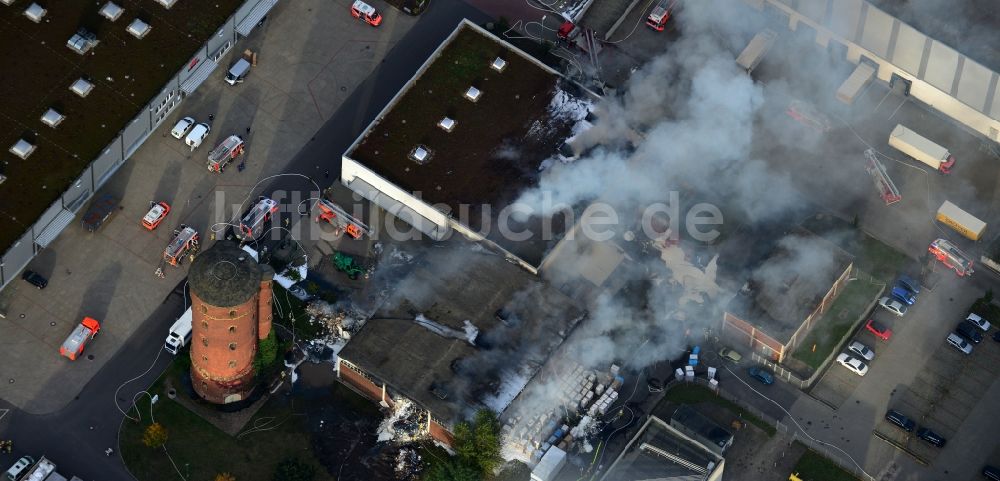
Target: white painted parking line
(897, 108)
(3, 412)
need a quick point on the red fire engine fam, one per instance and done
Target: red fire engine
(657, 19)
(228, 150)
(185, 240)
(951, 256)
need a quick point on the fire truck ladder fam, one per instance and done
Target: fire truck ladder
(339, 218)
(886, 188)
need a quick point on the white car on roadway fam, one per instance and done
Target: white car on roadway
(892, 306)
(978, 321)
(182, 127)
(861, 350)
(853, 364)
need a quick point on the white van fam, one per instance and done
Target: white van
(237, 72)
(197, 135)
(180, 333)
(19, 468)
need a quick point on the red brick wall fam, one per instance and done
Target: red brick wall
(223, 346)
(757, 340)
(440, 433)
(264, 310)
(363, 384)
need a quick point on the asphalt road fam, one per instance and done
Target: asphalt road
(76, 437)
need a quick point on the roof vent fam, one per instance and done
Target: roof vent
(498, 64)
(473, 94)
(3, 177)
(7, 2)
(22, 149)
(52, 118)
(35, 12)
(447, 124)
(138, 28)
(111, 11)
(166, 3)
(82, 41)
(81, 87)
(421, 154)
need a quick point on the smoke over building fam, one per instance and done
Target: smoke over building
(231, 308)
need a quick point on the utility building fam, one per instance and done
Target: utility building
(231, 309)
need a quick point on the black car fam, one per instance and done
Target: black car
(991, 472)
(897, 418)
(970, 331)
(35, 279)
(931, 437)
(996, 336)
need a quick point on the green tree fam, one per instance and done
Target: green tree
(478, 443)
(453, 469)
(225, 477)
(267, 351)
(293, 469)
(155, 435)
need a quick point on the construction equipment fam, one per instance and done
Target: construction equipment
(657, 19)
(346, 264)
(341, 220)
(885, 186)
(951, 256)
(921, 149)
(963, 222)
(73, 346)
(228, 150)
(185, 240)
(253, 222)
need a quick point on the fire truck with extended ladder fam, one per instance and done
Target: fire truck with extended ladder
(657, 19)
(228, 150)
(951, 256)
(341, 220)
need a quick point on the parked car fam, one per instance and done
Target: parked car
(35, 279)
(991, 473)
(909, 282)
(904, 295)
(730, 355)
(892, 305)
(880, 331)
(931, 437)
(897, 418)
(19, 468)
(957, 342)
(970, 331)
(761, 374)
(853, 364)
(197, 135)
(978, 321)
(182, 127)
(862, 350)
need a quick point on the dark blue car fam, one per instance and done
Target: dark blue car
(762, 375)
(903, 295)
(909, 283)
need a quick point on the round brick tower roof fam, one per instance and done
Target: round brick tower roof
(224, 275)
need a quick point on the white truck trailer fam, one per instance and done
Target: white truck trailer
(963, 222)
(180, 333)
(922, 149)
(756, 49)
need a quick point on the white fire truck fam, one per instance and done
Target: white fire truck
(228, 150)
(253, 222)
(951, 256)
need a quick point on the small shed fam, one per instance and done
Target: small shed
(22, 148)
(138, 28)
(35, 12)
(111, 11)
(81, 87)
(166, 3)
(52, 118)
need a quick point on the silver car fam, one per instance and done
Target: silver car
(182, 127)
(892, 306)
(957, 342)
(853, 364)
(861, 350)
(978, 321)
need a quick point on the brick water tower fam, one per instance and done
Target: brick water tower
(231, 307)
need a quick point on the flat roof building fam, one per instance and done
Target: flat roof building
(661, 452)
